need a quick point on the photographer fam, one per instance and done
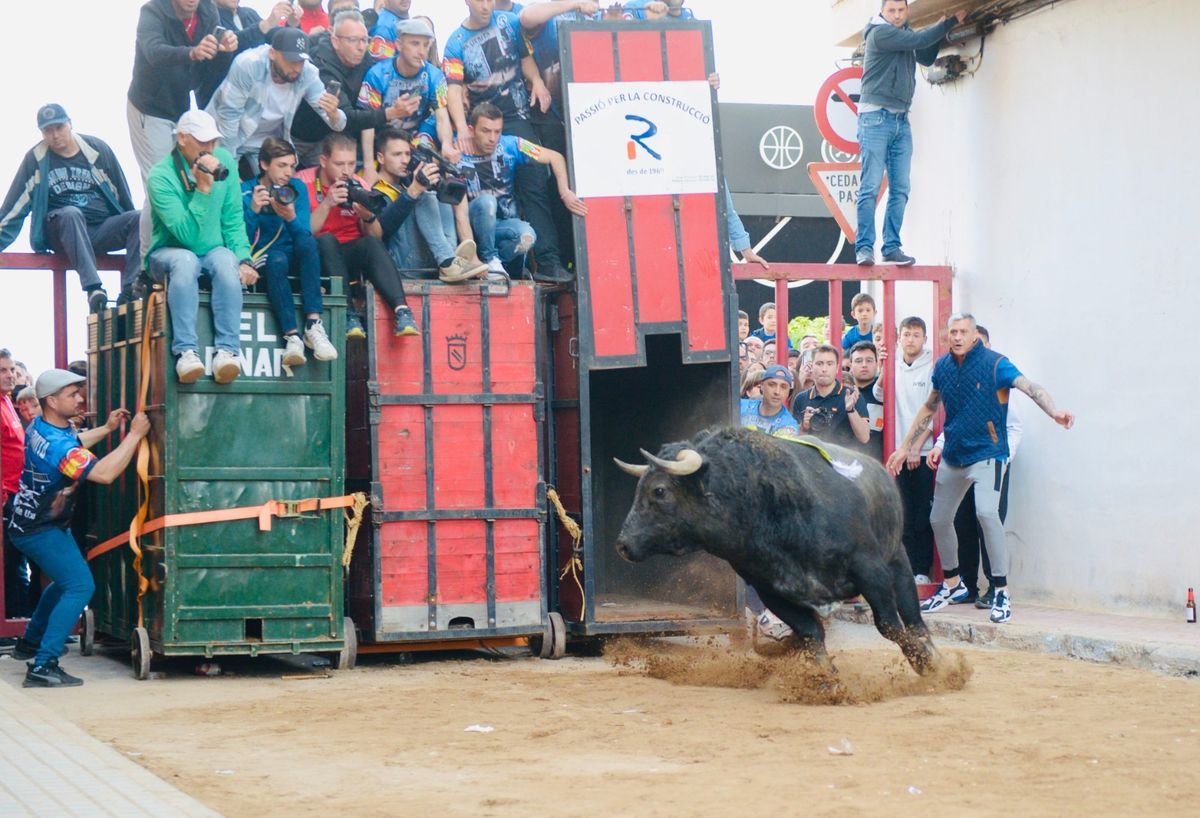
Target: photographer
(275, 206)
(345, 221)
(830, 410)
(402, 177)
(412, 86)
(495, 157)
(198, 229)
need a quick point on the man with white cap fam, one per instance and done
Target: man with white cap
(55, 461)
(259, 96)
(199, 229)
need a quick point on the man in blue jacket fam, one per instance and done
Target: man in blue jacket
(80, 202)
(889, 79)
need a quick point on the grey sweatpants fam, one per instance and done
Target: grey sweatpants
(152, 138)
(952, 484)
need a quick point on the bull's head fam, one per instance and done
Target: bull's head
(666, 508)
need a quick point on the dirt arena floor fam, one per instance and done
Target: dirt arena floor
(668, 730)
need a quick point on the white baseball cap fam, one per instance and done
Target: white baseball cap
(199, 124)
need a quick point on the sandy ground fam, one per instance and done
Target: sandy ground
(1025, 735)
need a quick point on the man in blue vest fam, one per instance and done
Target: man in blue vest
(973, 382)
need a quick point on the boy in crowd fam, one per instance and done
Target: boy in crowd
(276, 210)
(829, 409)
(432, 222)
(349, 234)
(864, 372)
(769, 414)
(198, 229)
(743, 325)
(862, 309)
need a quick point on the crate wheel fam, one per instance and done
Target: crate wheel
(139, 654)
(558, 632)
(347, 657)
(87, 633)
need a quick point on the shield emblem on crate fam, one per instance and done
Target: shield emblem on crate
(456, 352)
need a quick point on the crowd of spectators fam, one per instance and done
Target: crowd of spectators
(957, 504)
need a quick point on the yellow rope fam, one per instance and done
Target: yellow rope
(354, 517)
(575, 564)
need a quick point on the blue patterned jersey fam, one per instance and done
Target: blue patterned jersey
(55, 460)
(384, 84)
(496, 174)
(488, 62)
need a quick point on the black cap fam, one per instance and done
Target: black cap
(291, 43)
(51, 114)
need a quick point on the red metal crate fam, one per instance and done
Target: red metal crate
(454, 429)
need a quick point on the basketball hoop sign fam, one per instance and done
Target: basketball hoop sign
(836, 109)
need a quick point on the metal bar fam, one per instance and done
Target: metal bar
(252, 560)
(227, 612)
(808, 271)
(781, 321)
(445, 640)
(887, 376)
(460, 399)
(457, 514)
(835, 316)
(60, 318)
(445, 644)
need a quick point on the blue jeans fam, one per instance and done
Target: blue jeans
(304, 261)
(435, 220)
(182, 270)
(496, 238)
(54, 551)
(886, 144)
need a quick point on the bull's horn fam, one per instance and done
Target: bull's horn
(688, 461)
(629, 468)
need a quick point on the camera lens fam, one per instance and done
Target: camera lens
(284, 194)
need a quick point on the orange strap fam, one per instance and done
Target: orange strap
(143, 457)
(263, 513)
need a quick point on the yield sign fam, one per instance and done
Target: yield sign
(837, 182)
(836, 108)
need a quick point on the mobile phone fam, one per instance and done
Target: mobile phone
(219, 33)
(333, 87)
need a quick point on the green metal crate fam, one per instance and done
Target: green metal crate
(227, 587)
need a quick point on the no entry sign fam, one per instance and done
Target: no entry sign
(836, 109)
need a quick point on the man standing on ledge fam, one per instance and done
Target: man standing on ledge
(974, 383)
(893, 50)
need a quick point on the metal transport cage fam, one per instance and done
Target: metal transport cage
(445, 432)
(262, 455)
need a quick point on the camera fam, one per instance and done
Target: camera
(372, 200)
(219, 174)
(284, 194)
(452, 186)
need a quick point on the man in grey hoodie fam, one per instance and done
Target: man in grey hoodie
(893, 50)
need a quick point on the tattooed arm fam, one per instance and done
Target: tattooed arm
(922, 423)
(1042, 398)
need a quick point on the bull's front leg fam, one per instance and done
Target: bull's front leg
(806, 626)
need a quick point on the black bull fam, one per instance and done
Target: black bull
(790, 525)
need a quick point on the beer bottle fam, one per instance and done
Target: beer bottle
(1190, 608)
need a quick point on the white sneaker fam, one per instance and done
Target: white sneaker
(772, 627)
(226, 366)
(921, 579)
(461, 269)
(189, 367)
(293, 351)
(316, 340)
(494, 266)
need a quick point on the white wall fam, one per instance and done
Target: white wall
(1060, 181)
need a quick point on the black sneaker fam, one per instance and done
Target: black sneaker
(49, 675)
(404, 324)
(898, 258)
(553, 274)
(97, 300)
(985, 600)
(865, 258)
(25, 650)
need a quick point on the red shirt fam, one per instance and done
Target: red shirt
(312, 18)
(12, 447)
(342, 221)
(189, 27)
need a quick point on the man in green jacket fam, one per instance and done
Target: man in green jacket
(198, 229)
